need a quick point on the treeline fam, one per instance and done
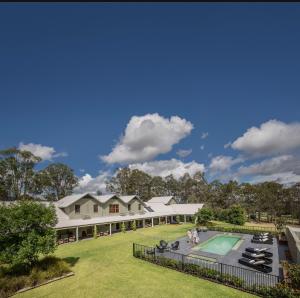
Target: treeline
(269, 197)
(20, 179)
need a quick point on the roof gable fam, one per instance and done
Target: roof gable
(161, 200)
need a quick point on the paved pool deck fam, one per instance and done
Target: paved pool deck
(233, 255)
(231, 258)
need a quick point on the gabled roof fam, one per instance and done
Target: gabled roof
(161, 200)
(68, 200)
(104, 198)
(128, 199)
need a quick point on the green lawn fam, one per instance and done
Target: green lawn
(106, 268)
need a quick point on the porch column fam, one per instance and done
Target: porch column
(159, 220)
(110, 229)
(143, 223)
(77, 234)
(184, 216)
(166, 219)
(152, 221)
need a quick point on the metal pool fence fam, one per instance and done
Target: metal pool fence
(244, 279)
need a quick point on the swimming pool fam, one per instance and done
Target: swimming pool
(219, 244)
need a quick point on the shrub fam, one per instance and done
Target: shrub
(237, 215)
(178, 218)
(26, 231)
(43, 270)
(123, 228)
(133, 225)
(95, 232)
(203, 216)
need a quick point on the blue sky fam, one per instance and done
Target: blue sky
(72, 76)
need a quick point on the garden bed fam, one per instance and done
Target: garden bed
(13, 280)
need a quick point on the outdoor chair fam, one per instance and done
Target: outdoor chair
(160, 249)
(258, 265)
(72, 239)
(175, 245)
(257, 257)
(163, 244)
(60, 241)
(260, 250)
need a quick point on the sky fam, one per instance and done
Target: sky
(165, 88)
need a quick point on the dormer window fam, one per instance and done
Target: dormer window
(114, 208)
(129, 207)
(77, 208)
(95, 208)
(140, 207)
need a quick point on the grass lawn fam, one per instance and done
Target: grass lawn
(106, 268)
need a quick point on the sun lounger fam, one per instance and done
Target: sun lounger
(262, 241)
(257, 257)
(260, 250)
(258, 265)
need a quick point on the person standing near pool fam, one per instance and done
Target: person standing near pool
(189, 234)
(195, 237)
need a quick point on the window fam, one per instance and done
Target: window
(129, 207)
(114, 208)
(77, 208)
(140, 206)
(95, 208)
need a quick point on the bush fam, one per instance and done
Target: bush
(26, 231)
(133, 225)
(13, 278)
(203, 216)
(237, 215)
(123, 228)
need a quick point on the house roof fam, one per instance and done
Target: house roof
(161, 200)
(68, 200)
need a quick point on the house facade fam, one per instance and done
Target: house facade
(84, 215)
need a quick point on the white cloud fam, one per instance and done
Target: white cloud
(283, 178)
(204, 135)
(202, 147)
(167, 167)
(81, 170)
(44, 152)
(275, 165)
(147, 136)
(87, 183)
(227, 145)
(184, 153)
(272, 137)
(222, 163)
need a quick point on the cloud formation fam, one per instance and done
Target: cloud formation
(278, 164)
(44, 152)
(283, 178)
(146, 137)
(167, 167)
(87, 183)
(222, 163)
(204, 135)
(184, 153)
(271, 138)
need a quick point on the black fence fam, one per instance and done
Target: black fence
(237, 277)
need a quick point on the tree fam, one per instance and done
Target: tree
(57, 181)
(17, 173)
(203, 216)
(95, 232)
(133, 225)
(236, 215)
(26, 231)
(123, 228)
